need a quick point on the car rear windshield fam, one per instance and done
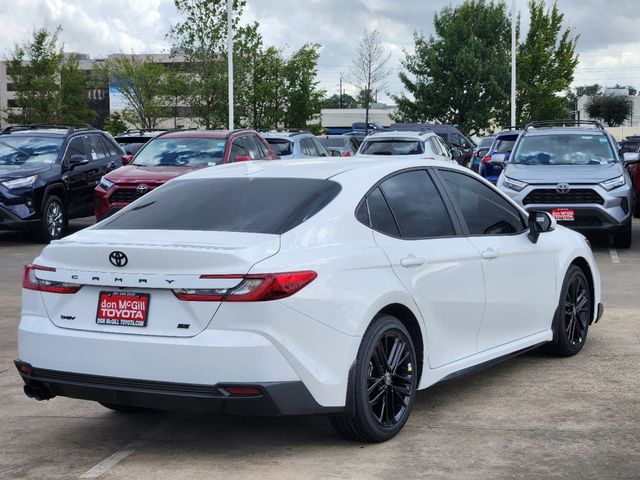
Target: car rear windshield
(182, 152)
(281, 147)
(249, 205)
(22, 149)
(392, 147)
(564, 149)
(485, 142)
(505, 144)
(335, 141)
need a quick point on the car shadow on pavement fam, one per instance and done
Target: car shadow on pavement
(30, 237)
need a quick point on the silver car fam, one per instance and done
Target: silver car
(573, 169)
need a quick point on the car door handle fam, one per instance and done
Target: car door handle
(411, 261)
(490, 254)
(111, 166)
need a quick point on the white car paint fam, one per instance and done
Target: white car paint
(312, 336)
(434, 147)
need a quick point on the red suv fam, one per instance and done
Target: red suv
(172, 154)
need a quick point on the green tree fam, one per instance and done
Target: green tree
(304, 97)
(589, 90)
(334, 101)
(34, 69)
(611, 109)
(74, 107)
(461, 74)
(202, 37)
(141, 81)
(546, 65)
(114, 124)
(370, 69)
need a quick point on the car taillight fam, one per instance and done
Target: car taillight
(31, 282)
(346, 154)
(474, 154)
(252, 288)
(486, 159)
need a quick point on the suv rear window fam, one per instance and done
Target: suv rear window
(248, 205)
(392, 147)
(586, 148)
(281, 147)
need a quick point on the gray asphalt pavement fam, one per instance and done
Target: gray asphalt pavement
(533, 417)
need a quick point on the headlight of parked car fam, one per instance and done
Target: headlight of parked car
(512, 184)
(613, 183)
(106, 184)
(20, 182)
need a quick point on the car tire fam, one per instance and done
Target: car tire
(622, 238)
(54, 219)
(381, 382)
(116, 407)
(636, 209)
(573, 316)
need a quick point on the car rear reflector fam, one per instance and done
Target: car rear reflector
(31, 282)
(251, 288)
(242, 390)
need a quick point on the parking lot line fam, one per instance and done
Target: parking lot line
(113, 460)
(613, 253)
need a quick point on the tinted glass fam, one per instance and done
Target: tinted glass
(95, 147)
(281, 147)
(320, 148)
(131, 148)
(182, 151)
(308, 148)
(392, 147)
(264, 151)
(237, 148)
(504, 144)
(484, 210)
(250, 205)
(485, 142)
(252, 147)
(19, 149)
(76, 147)
(335, 141)
(109, 147)
(417, 206)
(564, 149)
(380, 214)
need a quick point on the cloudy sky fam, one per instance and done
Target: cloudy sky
(609, 43)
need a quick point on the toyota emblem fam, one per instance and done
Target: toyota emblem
(142, 189)
(118, 259)
(563, 188)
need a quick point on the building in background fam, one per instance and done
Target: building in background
(345, 117)
(630, 127)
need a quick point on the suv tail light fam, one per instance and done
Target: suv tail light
(253, 288)
(486, 159)
(31, 282)
(346, 154)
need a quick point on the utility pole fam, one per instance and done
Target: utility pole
(513, 62)
(230, 59)
(341, 92)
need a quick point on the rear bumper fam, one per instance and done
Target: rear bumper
(273, 399)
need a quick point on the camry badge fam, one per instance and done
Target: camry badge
(563, 188)
(118, 259)
(142, 188)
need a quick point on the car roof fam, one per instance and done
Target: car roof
(48, 132)
(220, 134)
(318, 167)
(292, 136)
(407, 134)
(563, 131)
(508, 133)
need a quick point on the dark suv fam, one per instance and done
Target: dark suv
(48, 174)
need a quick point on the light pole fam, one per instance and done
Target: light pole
(513, 62)
(230, 59)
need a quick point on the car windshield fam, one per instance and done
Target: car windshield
(564, 149)
(249, 205)
(281, 147)
(392, 147)
(185, 151)
(21, 149)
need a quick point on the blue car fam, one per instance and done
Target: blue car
(492, 163)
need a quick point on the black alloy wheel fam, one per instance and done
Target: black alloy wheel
(573, 316)
(54, 219)
(384, 383)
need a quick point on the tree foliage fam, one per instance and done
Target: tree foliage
(114, 124)
(334, 101)
(49, 87)
(303, 93)
(611, 109)
(370, 69)
(546, 64)
(460, 75)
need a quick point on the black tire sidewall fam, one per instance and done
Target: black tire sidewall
(382, 324)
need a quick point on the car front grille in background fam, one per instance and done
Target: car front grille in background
(552, 197)
(126, 195)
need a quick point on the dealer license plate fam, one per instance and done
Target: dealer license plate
(125, 309)
(564, 214)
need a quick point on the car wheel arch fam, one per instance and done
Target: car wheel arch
(58, 190)
(583, 265)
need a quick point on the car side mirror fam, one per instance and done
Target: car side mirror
(127, 159)
(540, 222)
(242, 158)
(78, 159)
(630, 158)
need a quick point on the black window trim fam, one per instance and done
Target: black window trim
(453, 217)
(458, 211)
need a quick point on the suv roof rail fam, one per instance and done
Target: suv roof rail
(35, 126)
(563, 123)
(419, 131)
(512, 127)
(142, 130)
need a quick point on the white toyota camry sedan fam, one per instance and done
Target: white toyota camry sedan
(306, 287)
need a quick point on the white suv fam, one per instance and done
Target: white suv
(419, 144)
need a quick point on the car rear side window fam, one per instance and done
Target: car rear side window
(248, 205)
(417, 206)
(484, 210)
(381, 218)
